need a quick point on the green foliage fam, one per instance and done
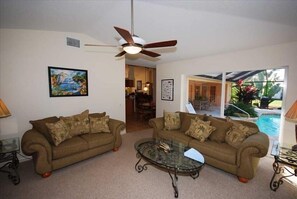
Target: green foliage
(266, 83)
(244, 92)
(232, 111)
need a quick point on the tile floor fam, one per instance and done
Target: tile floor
(134, 123)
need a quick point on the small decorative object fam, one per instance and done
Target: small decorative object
(164, 146)
(67, 82)
(167, 88)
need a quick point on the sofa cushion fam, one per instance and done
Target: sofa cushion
(100, 124)
(222, 127)
(252, 127)
(69, 147)
(175, 135)
(239, 133)
(200, 130)
(186, 120)
(40, 126)
(220, 151)
(78, 124)
(98, 139)
(97, 115)
(171, 121)
(59, 131)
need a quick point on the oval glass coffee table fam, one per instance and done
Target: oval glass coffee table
(180, 159)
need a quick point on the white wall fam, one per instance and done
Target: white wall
(260, 58)
(24, 59)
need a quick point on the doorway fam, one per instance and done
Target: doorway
(267, 86)
(140, 97)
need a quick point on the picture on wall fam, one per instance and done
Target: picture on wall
(139, 85)
(167, 88)
(64, 82)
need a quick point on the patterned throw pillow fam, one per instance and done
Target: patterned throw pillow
(59, 131)
(222, 127)
(98, 125)
(252, 127)
(238, 133)
(78, 124)
(171, 121)
(40, 126)
(199, 129)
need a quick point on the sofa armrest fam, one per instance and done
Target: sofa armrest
(157, 124)
(116, 126)
(35, 144)
(255, 145)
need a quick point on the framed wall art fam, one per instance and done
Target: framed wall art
(65, 82)
(139, 85)
(167, 89)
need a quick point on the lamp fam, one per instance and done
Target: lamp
(4, 112)
(132, 48)
(147, 83)
(291, 116)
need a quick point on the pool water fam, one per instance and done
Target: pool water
(269, 124)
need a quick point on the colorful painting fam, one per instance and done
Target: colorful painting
(67, 82)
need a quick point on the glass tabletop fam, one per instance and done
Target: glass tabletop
(179, 157)
(9, 145)
(284, 153)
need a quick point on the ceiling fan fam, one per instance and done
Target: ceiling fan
(132, 44)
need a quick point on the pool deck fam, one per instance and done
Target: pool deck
(215, 111)
(268, 111)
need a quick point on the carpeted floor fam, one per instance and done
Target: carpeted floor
(112, 176)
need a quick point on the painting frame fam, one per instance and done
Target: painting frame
(139, 85)
(67, 82)
(167, 89)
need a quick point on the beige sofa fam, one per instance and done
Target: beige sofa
(241, 160)
(47, 157)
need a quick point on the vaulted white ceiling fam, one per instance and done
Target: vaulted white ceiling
(201, 27)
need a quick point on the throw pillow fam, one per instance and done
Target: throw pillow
(171, 121)
(97, 114)
(186, 120)
(59, 131)
(239, 132)
(222, 127)
(78, 124)
(236, 136)
(199, 129)
(40, 126)
(98, 125)
(252, 127)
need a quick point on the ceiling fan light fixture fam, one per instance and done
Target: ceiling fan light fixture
(132, 49)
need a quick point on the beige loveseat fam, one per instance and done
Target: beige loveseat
(240, 159)
(87, 139)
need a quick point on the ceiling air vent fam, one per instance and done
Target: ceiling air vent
(73, 42)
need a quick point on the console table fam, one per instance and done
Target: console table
(8, 155)
(283, 157)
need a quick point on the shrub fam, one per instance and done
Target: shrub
(232, 111)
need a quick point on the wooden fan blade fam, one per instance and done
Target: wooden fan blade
(161, 44)
(121, 54)
(125, 34)
(150, 53)
(101, 45)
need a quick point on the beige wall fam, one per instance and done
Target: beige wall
(283, 55)
(24, 59)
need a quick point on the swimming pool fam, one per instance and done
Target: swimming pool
(269, 124)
